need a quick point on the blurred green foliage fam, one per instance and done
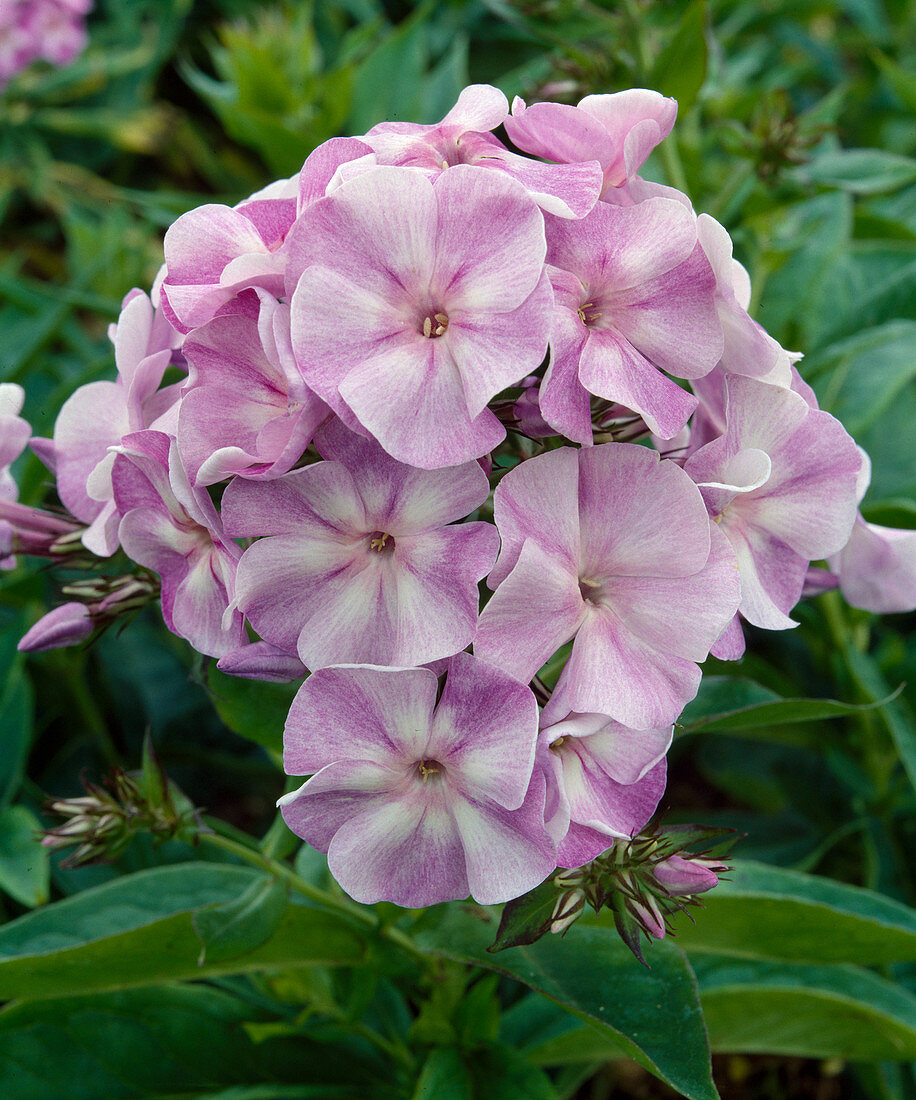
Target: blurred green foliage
(796, 131)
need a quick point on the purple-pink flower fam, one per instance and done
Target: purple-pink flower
(418, 801)
(418, 301)
(363, 561)
(613, 548)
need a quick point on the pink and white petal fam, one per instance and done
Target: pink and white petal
(151, 538)
(272, 216)
(564, 190)
(262, 661)
(680, 616)
(610, 670)
(620, 112)
(318, 501)
(564, 402)
(489, 244)
(581, 845)
(672, 319)
(556, 131)
(538, 500)
(535, 610)
(730, 645)
(495, 350)
(484, 732)
(412, 402)
(597, 801)
(401, 499)
(624, 754)
(360, 713)
(226, 233)
(321, 165)
(612, 368)
(877, 568)
(282, 579)
(437, 597)
(352, 618)
(198, 608)
(772, 575)
(639, 516)
(93, 419)
(337, 326)
(337, 793)
(406, 850)
(480, 108)
(378, 228)
(508, 852)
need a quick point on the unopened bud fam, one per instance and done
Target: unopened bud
(66, 625)
(649, 915)
(567, 910)
(687, 876)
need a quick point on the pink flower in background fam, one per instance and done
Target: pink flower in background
(52, 30)
(418, 801)
(98, 415)
(613, 548)
(876, 569)
(174, 530)
(363, 562)
(634, 293)
(418, 302)
(14, 435)
(246, 408)
(619, 130)
(781, 485)
(462, 137)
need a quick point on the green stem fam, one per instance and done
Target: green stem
(314, 893)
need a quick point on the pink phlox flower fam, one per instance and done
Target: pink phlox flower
(174, 529)
(415, 801)
(98, 415)
(463, 137)
(67, 625)
(362, 560)
(14, 435)
(780, 483)
(613, 548)
(214, 252)
(877, 567)
(418, 302)
(619, 130)
(246, 408)
(604, 780)
(634, 296)
(53, 30)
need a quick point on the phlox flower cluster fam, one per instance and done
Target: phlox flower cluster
(429, 361)
(50, 30)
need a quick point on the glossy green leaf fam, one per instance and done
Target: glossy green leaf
(861, 171)
(137, 930)
(443, 1077)
(254, 709)
(592, 974)
(759, 911)
(898, 725)
(25, 872)
(172, 1040)
(680, 68)
(229, 929)
(714, 709)
(812, 1011)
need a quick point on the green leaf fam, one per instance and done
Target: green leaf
(170, 1040)
(25, 871)
(901, 730)
(812, 1011)
(858, 379)
(138, 930)
(501, 1073)
(680, 69)
(768, 912)
(592, 974)
(861, 171)
(769, 713)
(254, 709)
(443, 1077)
(234, 928)
(524, 920)
(16, 707)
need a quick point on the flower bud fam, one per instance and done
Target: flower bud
(67, 625)
(687, 876)
(649, 915)
(567, 910)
